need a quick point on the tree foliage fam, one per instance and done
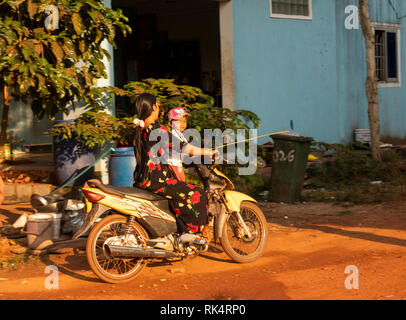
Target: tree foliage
(52, 69)
(95, 129)
(200, 105)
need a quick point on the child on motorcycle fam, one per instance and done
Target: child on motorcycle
(178, 122)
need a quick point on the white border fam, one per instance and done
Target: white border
(392, 27)
(287, 16)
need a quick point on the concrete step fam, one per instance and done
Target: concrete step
(17, 192)
(23, 192)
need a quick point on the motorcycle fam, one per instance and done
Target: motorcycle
(130, 226)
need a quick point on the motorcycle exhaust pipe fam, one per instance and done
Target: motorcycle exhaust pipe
(131, 252)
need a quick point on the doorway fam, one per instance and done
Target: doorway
(170, 39)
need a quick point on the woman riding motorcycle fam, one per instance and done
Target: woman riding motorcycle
(187, 201)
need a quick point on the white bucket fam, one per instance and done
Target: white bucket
(39, 230)
(362, 135)
(57, 217)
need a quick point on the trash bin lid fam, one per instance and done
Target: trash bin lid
(292, 138)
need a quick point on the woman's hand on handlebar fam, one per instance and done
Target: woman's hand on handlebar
(212, 153)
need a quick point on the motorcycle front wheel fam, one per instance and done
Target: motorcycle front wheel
(237, 244)
(107, 268)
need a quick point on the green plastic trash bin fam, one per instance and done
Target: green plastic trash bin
(288, 167)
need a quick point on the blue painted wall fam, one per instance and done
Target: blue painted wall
(392, 100)
(311, 71)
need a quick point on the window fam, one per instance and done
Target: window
(293, 9)
(387, 54)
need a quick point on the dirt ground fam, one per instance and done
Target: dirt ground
(313, 252)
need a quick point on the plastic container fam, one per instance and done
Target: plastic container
(39, 230)
(290, 156)
(57, 217)
(121, 167)
(362, 135)
(6, 151)
(73, 218)
(71, 157)
(77, 222)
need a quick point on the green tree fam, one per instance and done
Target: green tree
(53, 67)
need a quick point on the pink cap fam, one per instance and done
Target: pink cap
(177, 113)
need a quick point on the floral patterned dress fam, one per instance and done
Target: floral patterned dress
(188, 202)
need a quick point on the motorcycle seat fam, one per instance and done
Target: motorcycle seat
(123, 191)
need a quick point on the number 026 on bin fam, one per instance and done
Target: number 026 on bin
(281, 156)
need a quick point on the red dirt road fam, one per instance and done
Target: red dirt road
(310, 246)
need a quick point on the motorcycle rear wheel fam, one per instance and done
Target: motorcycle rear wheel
(108, 269)
(236, 244)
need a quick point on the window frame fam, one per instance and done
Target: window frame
(393, 28)
(288, 16)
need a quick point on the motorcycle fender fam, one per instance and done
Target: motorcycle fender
(234, 199)
(233, 202)
(90, 218)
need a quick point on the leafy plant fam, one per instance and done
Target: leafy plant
(95, 129)
(51, 68)
(200, 105)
